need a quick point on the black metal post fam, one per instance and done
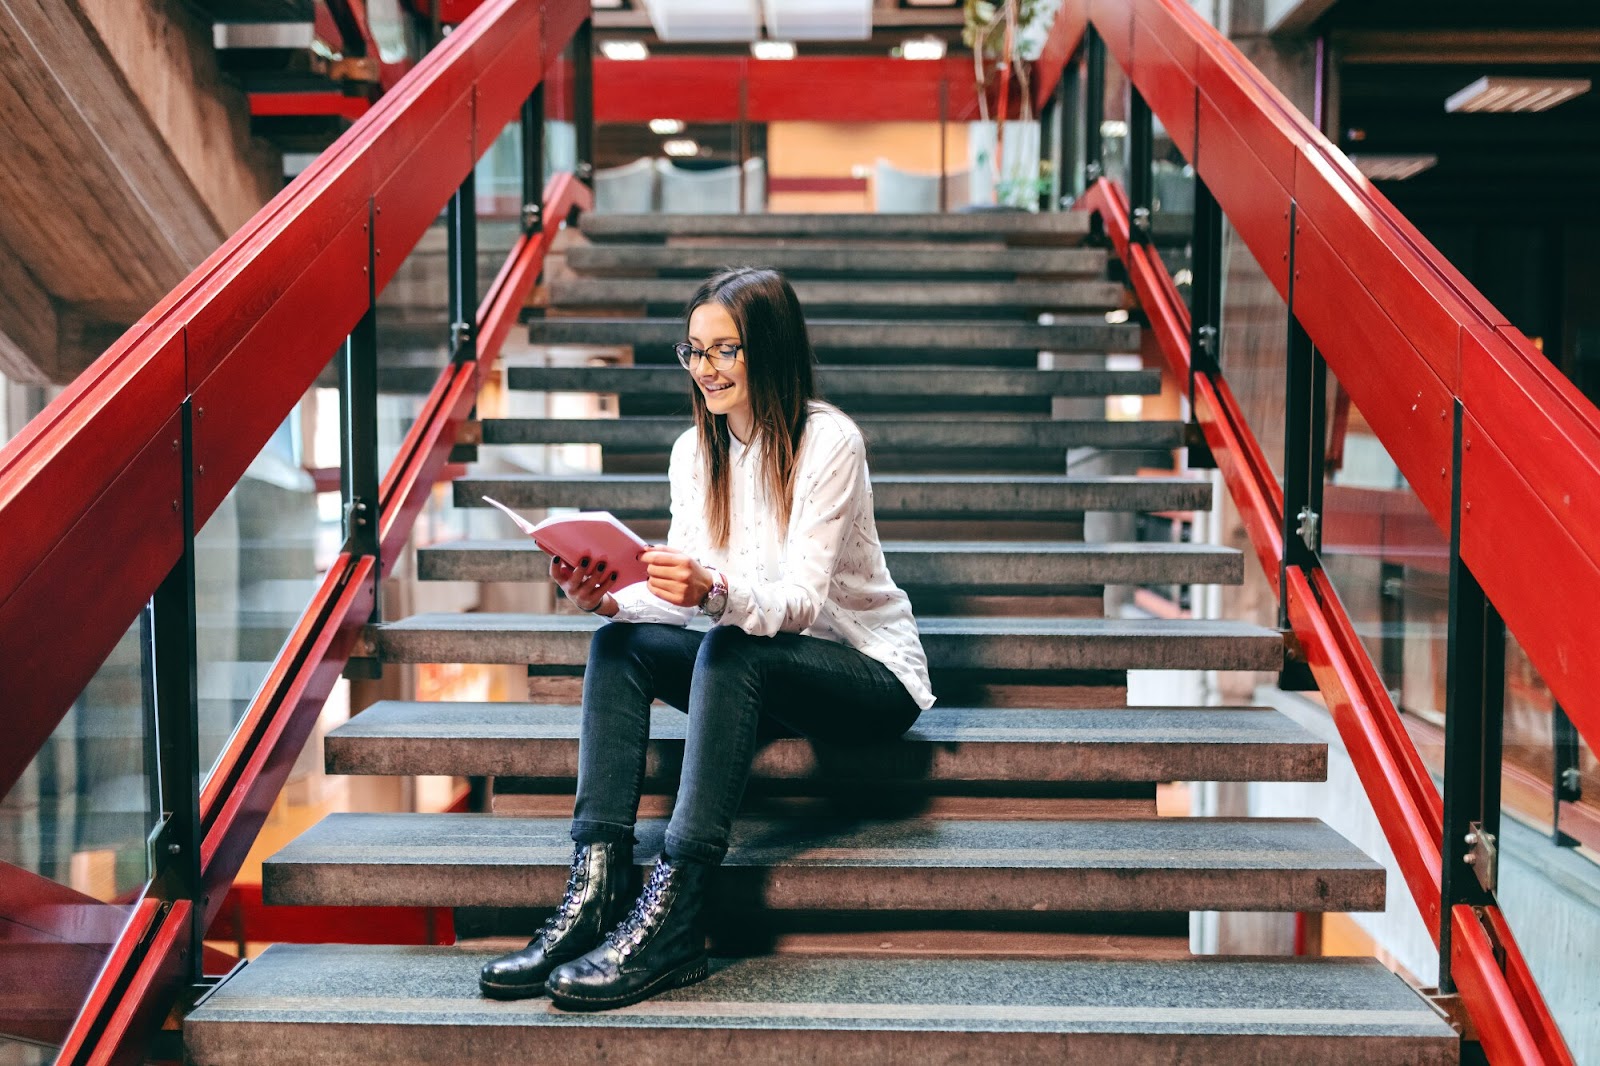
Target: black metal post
(1473, 731)
(1205, 330)
(1304, 449)
(1568, 781)
(944, 121)
(1049, 149)
(1094, 107)
(461, 224)
(1068, 179)
(175, 845)
(1140, 188)
(533, 161)
(583, 99)
(358, 429)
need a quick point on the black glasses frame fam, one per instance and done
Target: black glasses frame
(722, 356)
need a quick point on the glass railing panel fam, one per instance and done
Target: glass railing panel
(259, 560)
(74, 834)
(560, 134)
(1172, 192)
(1254, 344)
(498, 188)
(705, 168)
(1114, 123)
(1387, 558)
(413, 337)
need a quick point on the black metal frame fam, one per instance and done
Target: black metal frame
(1094, 106)
(1566, 779)
(533, 161)
(1474, 725)
(1141, 133)
(583, 100)
(461, 226)
(175, 841)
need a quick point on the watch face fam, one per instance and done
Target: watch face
(716, 602)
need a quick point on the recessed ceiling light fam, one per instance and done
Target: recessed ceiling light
(624, 50)
(666, 127)
(1393, 167)
(681, 148)
(772, 49)
(923, 48)
(1498, 94)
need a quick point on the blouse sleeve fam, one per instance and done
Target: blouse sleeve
(829, 491)
(637, 603)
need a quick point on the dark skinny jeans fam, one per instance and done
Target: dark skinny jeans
(728, 681)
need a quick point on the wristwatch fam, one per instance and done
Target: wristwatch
(716, 600)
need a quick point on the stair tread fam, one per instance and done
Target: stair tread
(980, 643)
(946, 744)
(806, 863)
(1008, 567)
(1089, 333)
(836, 258)
(987, 496)
(1062, 226)
(838, 381)
(658, 433)
(1074, 295)
(399, 1002)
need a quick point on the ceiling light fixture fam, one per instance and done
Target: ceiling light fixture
(666, 127)
(772, 49)
(1499, 94)
(631, 50)
(1393, 167)
(681, 148)
(923, 48)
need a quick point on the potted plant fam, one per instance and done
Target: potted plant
(1005, 36)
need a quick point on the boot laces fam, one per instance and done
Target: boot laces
(567, 909)
(629, 932)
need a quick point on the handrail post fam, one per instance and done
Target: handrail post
(359, 476)
(1141, 125)
(461, 225)
(1205, 313)
(1304, 457)
(1473, 732)
(1566, 783)
(583, 100)
(533, 161)
(175, 842)
(1094, 106)
(1067, 179)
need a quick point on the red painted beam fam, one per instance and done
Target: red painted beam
(244, 916)
(307, 105)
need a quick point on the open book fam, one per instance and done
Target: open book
(592, 534)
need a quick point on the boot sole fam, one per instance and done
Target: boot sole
(687, 974)
(494, 991)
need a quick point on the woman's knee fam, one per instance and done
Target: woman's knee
(727, 647)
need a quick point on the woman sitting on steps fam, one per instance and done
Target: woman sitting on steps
(773, 540)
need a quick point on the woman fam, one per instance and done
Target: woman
(773, 540)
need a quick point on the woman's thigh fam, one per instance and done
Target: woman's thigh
(663, 657)
(824, 690)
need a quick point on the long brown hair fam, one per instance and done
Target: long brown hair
(778, 369)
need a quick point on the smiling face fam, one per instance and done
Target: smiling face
(726, 390)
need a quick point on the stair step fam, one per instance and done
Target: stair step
(1024, 646)
(1065, 227)
(1001, 567)
(852, 865)
(948, 339)
(401, 1005)
(896, 496)
(948, 744)
(983, 296)
(883, 434)
(841, 384)
(836, 258)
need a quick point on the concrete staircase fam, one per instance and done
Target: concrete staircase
(997, 886)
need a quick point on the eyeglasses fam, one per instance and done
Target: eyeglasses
(722, 356)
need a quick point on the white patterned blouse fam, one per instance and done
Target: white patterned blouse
(825, 576)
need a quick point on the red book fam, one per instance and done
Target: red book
(587, 534)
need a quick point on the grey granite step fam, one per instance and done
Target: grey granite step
(1064, 227)
(883, 434)
(403, 1005)
(921, 496)
(988, 297)
(947, 744)
(911, 864)
(560, 643)
(842, 384)
(834, 258)
(944, 341)
(1009, 567)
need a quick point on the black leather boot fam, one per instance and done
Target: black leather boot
(658, 945)
(596, 899)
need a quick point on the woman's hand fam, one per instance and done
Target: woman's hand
(675, 577)
(586, 584)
